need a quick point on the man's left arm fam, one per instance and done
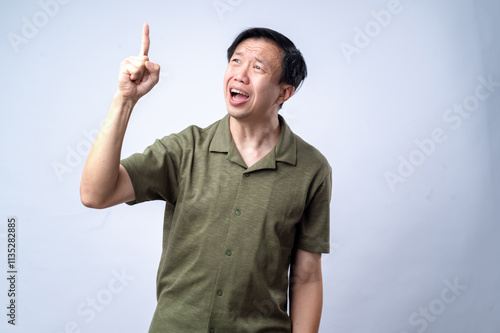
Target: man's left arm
(306, 292)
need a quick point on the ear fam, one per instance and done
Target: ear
(287, 91)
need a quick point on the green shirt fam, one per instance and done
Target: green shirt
(229, 230)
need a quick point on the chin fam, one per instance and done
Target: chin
(237, 114)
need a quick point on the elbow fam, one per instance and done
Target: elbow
(89, 200)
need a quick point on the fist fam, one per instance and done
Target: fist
(138, 75)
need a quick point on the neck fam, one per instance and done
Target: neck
(254, 139)
(255, 133)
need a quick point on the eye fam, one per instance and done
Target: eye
(257, 67)
(236, 60)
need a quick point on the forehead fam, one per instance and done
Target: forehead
(261, 47)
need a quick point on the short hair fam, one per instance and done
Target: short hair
(293, 65)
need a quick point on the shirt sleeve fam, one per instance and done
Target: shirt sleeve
(155, 172)
(313, 231)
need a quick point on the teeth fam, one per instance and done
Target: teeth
(238, 92)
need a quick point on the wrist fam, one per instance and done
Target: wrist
(125, 102)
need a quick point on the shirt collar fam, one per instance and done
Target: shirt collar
(221, 142)
(286, 148)
(284, 151)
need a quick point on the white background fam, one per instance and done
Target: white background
(396, 248)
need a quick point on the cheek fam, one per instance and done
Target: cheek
(228, 73)
(225, 81)
(269, 91)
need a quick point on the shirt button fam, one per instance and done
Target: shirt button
(228, 253)
(219, 292)
(212, 330)
(247, 175)
(238, 212)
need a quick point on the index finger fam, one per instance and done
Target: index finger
(145, 40)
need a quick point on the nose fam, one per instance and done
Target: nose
(241, 75)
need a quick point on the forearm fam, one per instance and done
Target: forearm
(101, 169)
(306, 302)
(104, 182)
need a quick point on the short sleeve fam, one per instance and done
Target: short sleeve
(313, 231)
(154, 173)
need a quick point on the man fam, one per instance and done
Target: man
(246, 199)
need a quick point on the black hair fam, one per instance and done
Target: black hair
(293, 65)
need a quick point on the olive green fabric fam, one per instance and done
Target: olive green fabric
(229, 230)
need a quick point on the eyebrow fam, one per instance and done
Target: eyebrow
(256, 58)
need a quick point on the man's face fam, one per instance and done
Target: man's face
(251, 80)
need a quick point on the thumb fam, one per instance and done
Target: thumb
(154, 70)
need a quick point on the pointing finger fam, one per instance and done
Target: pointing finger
(145, 40)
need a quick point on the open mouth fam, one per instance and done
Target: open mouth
(238, 96)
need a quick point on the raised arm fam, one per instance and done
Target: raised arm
(105, 182)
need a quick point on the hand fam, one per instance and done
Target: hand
(137, 74)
